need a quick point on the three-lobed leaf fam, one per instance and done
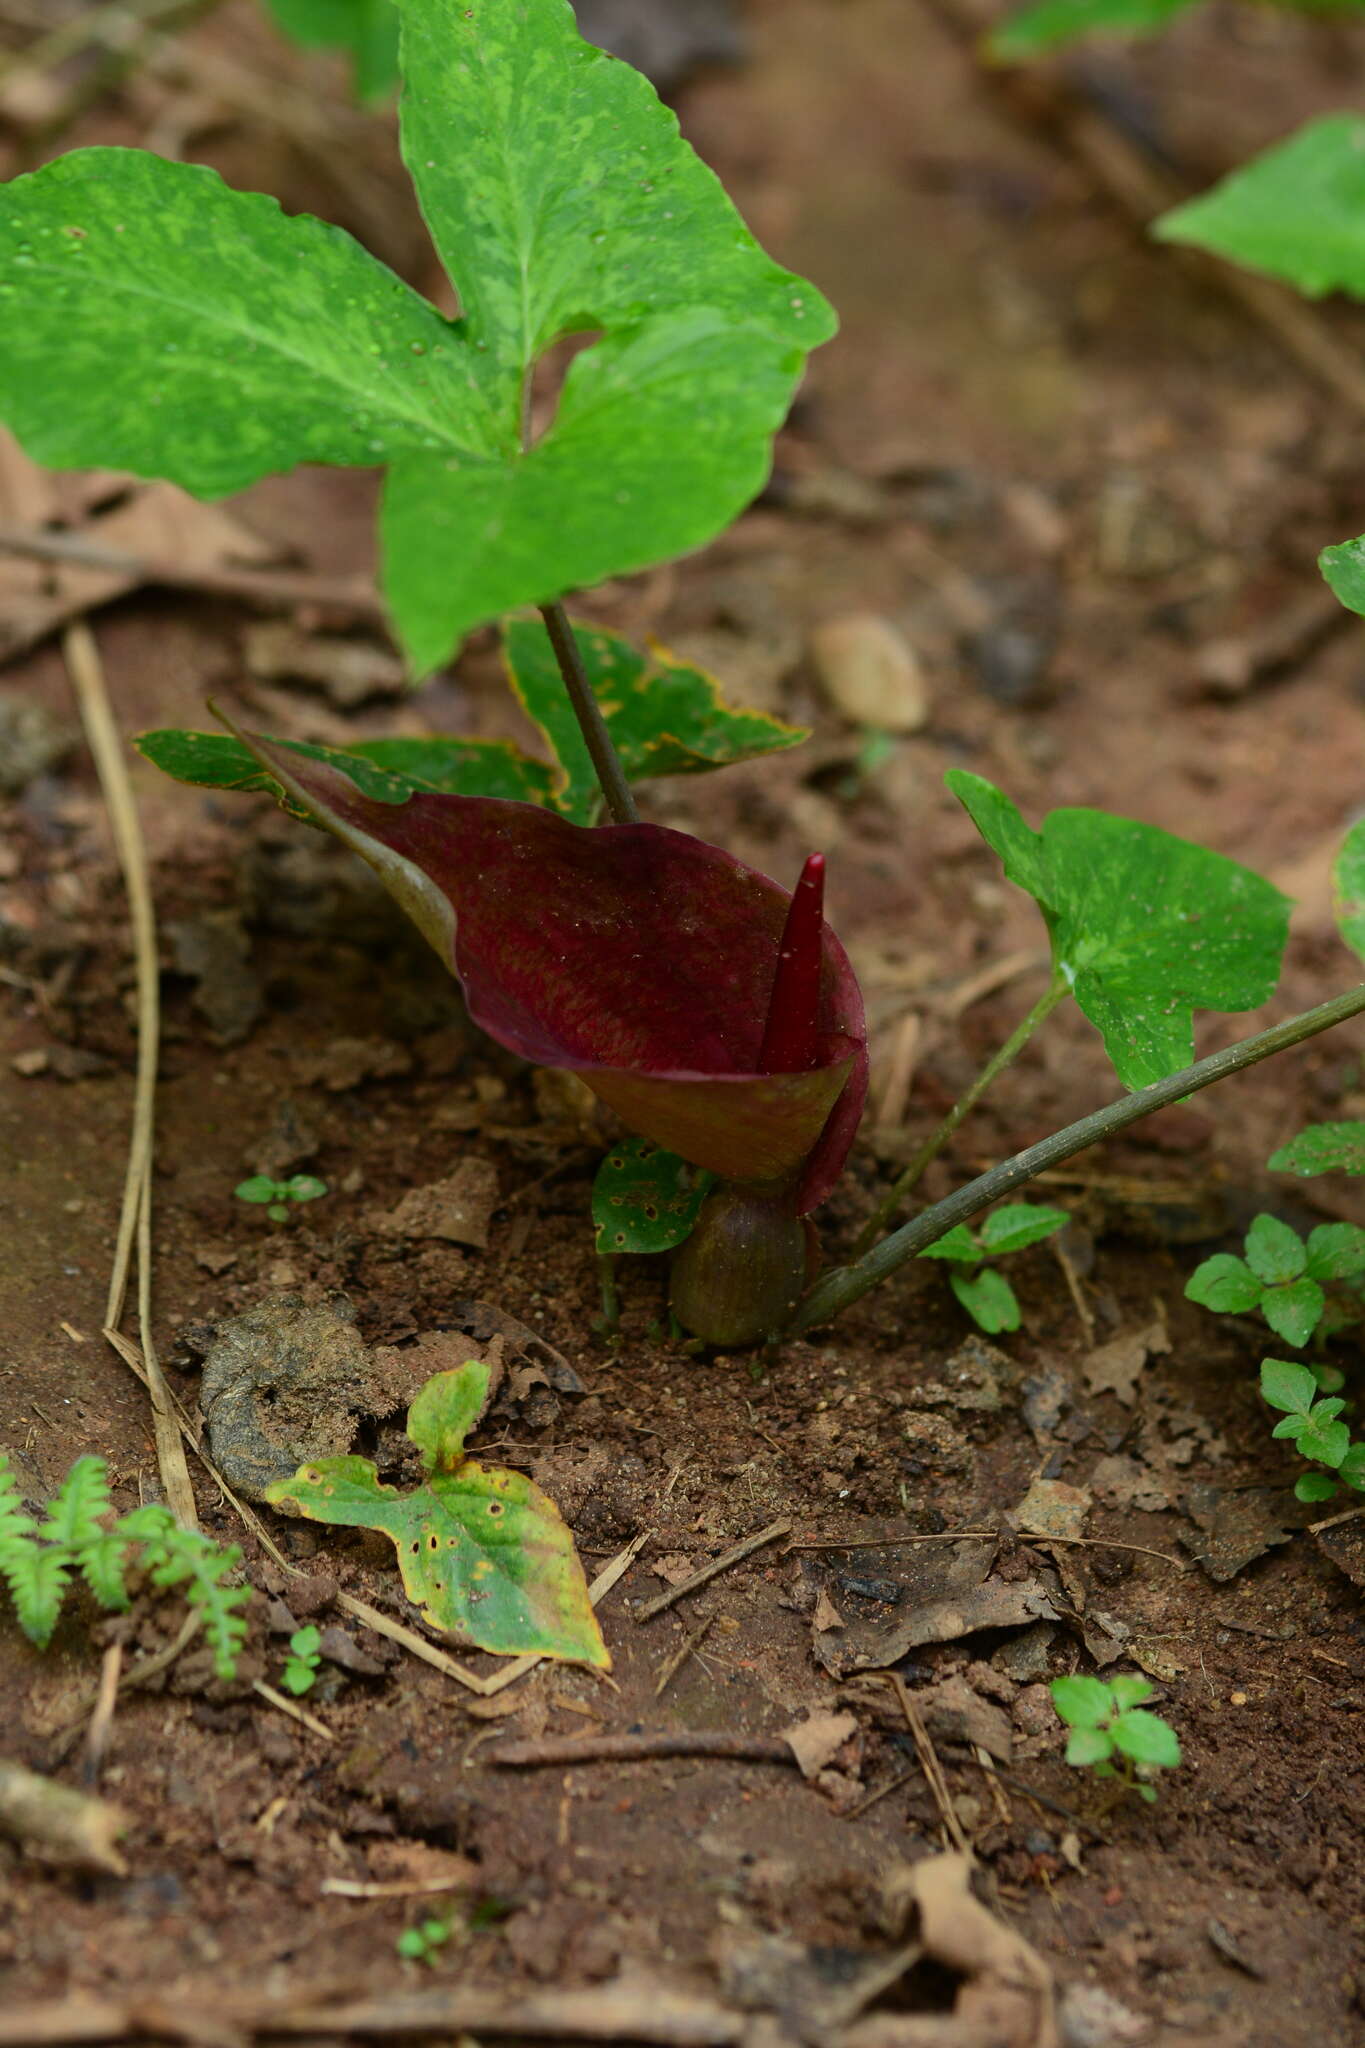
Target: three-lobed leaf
(1147, 928)
(155, 320)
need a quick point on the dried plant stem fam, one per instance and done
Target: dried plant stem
(586, 709)
(846, 1284)
(1058, 987)
(87, 677)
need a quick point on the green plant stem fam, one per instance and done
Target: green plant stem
(586, 709)
(846, 1284)
(1058, 987)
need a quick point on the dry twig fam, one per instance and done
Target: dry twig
(626, 1749)
(717, 1565)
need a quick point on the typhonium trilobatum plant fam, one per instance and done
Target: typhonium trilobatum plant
(715, 1012)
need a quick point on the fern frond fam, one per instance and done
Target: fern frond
(101, 1566)
(73, 1517)
(14, 1523)
(172, 1556)
(36, 1576)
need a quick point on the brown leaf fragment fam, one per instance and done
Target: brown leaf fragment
(52, 1820)
(817, 1740)
(1121, 1482)
(1236, 1528)
(825, 1614)
(947, 1595)
(976, 1379)
(346, 1062)
(1052, 1508)
(1345, 1546)
(458, 1209)
(1113, 1368)
(348, 670)
(953, 1712)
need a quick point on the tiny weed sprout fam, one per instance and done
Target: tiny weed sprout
(1313, 1425)
(162, 323)
(301, 1665)
(278, 1194)
(37, 1559)
(1112, 1734)
(986, 1295)
(482, 1551)
(422, 1944)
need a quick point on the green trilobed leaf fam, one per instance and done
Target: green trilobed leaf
(1336, 1251)
(1147, 928)
(1275, 1253)
(1055, 22)
(482, 1551)
(1146, 1739)
(387, 770)
(1297, 211)
(1348, 880)
(1019, 1224)
(1225, 1284)
(1322, 1148)
(664, 717)
(367, 30)
(1288, 1386)
(988, 1298)
(1294, 1311)
(645, 1199)
(155, 320)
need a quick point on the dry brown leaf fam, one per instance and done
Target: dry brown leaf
(817, 1740)
(1114, 1367)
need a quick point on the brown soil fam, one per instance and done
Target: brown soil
(1032, 424)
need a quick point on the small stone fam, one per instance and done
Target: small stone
(871, 673)
(1034, 1713)
(33, 739)
(1052, 1508)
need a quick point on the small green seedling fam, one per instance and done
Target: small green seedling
(422, 1943)
(483, 1552)
(1314, 1427)
(278, 1194)
(1284, 1279)
(1111, 1734)
(301, 1665)
(986, 1295)
(38, 1558)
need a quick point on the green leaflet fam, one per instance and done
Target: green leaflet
(482, 1551)
(154, 320)
(1322, 1148)
(387, 770)
(1054, 22)
(645, 1199)
(664, 717)
(366, 29)
(1147, 928)
(1348, 883)
(1297, 211)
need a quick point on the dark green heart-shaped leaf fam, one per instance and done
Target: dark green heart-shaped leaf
(483, 1552)
(645, 1199)
(1147, 928)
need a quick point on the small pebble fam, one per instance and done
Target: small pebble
(871, 673)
